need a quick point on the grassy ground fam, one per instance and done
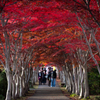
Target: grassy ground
(30, 93)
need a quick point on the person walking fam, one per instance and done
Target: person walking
(54, 77)
(39, 77)
(43, 74)
(49, 76)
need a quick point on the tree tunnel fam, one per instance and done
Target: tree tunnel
(64, 32)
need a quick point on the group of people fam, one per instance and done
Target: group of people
(51, 76)
(42, 76)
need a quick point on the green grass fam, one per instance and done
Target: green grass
(73, 95)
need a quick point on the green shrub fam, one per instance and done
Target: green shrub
(97, 98)
(30, 84)
(3, 85)
(94, 82)
(2, 97)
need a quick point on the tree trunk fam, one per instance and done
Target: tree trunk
(68, 82)
(33, 78)
(72, 82)
(9, 80)
(78, 81)
(17, 87)
(81, 82)
(21, 87)
(22, 83)
(75, 79)
(86, 94)
(13, 88)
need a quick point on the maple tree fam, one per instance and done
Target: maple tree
(88, 14)
(61, 43)
(49, 31)
(86, 8)
(11, 42)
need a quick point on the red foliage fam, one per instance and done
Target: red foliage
(58, 17)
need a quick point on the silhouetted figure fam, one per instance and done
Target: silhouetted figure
(49, 76)
(40, 77)
(54, 78)
(43, 73)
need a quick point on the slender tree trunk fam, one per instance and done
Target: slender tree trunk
(17, 87)
(65, 77)
(68, 82)
(9, 80)
(86, 94)
(96, 42)
(21, 79)
(33, 77)
(81, 82)
(72, 82)
(75, 79)
(13, 88)
(78, 83)
(23, 84)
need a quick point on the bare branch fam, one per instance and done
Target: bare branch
(90, 50)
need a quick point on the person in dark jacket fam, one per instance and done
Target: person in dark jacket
(49, 76)
(52, 82)
(39, 77)
(54, 78)
(44, 78)
(43, 73)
